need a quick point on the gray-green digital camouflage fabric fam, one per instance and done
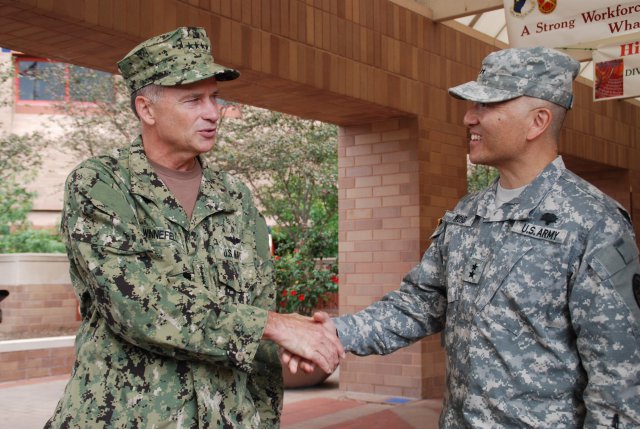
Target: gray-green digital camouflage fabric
(178, 57)
(510, 73)
(173, 309)
(537, 331)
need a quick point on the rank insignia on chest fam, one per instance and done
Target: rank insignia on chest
(473, 270)
(540, 232)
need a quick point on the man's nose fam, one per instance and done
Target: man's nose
(471, 116)
(212, 110)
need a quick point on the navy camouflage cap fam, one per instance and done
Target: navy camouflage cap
(175, 58)
(510, 73)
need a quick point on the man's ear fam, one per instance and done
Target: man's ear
(145, 110)
(542, 118)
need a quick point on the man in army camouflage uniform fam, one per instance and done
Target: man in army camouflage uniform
(171, 265)
(535, 281)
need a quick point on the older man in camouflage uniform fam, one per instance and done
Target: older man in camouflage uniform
(171, 264)
(535, 280)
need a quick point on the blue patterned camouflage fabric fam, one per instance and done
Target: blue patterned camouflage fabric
(532, 298)
(173, 310)
(510, 73)
(175, 58)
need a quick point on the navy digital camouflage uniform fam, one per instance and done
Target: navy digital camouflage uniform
(535, 299)
(173, 309)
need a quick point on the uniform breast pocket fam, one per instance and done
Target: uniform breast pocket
(170, 261)
(237, 275)
(530, 296)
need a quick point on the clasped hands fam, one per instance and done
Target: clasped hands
(305, 342)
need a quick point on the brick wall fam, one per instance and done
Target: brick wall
(38, 310)
(41, 301)
(23, 364)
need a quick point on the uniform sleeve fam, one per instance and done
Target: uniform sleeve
(146, 299)
(606, 319)
(403, 316)
(265, 381)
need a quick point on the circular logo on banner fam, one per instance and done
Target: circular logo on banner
(547, 6)
(522, 8)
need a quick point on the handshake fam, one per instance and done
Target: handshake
(306, 342)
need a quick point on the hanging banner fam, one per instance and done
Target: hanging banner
(577, 25)
(616, 71)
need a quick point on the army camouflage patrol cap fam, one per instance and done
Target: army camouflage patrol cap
(510, 73)
(175, 58)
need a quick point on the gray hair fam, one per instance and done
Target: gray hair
(558, 113)
(152, 92)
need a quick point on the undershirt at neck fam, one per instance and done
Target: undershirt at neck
(184, 185)
(504, 195)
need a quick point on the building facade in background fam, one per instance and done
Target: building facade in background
(32, 96)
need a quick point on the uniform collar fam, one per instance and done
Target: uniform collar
(213, 197)
(521, 207)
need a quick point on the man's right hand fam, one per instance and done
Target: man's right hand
(295, 362)
(302, 336)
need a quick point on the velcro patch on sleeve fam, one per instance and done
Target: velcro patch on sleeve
(618, 265)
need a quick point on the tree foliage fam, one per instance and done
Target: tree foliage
(20, 157)
(480, 176)
(102, 122)
(291, 166)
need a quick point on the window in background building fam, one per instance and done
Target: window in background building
(90, 85)
(40, 81)
(45, 81)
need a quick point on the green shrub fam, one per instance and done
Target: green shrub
(31, 240)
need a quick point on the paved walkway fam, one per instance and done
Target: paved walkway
(27, 404)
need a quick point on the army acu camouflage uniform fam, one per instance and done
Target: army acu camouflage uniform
(173, 309)
(533, 298)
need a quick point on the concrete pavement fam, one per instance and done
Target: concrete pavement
(27, 404)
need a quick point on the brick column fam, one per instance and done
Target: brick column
(379, 241)
(396, 179)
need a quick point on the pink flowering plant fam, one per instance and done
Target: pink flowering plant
(304, 283)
